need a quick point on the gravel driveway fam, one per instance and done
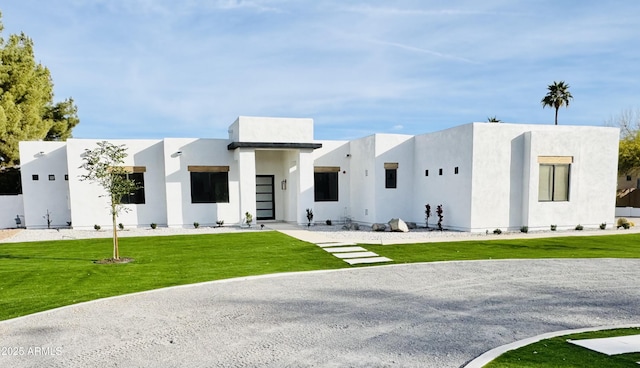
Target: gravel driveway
(417, 315)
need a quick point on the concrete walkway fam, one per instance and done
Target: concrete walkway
(416, 315)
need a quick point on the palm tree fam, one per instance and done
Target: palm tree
(494, 119)
(557, 96)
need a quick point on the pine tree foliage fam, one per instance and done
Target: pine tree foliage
(27, 110)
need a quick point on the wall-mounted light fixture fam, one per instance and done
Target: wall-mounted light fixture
(283, 184)
(39, 154)
(176, 154)
(348, 155)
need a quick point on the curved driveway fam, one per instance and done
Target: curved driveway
(421, 315)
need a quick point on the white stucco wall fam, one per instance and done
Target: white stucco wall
(198, 152)
(88, 208)
(444, 150)
(42, 195)
(279, 130)
(505, 179)
(334, 153)
(10, 207)
(363, 179)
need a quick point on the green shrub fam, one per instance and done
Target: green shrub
(524, 229)
(196, 225)
(622, 222)
(154, 225)
(121, 226)
(603, 226)
(554, 227)
(220, 223)
(97, 227)
(497, 231)
(579, 227)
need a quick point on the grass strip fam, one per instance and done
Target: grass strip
(606, 246)
(558, 353)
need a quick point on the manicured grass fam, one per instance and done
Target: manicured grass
(43, 275)
(557, 352)
(607, 246)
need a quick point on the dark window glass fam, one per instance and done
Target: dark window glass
(390, 178)
(52, 177)
(35, 177)
(209, 187)
(137, 196)
(455, 171)
(325, 186)
(439, 171)
(426, 173)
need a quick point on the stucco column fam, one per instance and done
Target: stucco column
(247, 182)
(305, 185)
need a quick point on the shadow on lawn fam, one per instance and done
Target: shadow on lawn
(10, 256)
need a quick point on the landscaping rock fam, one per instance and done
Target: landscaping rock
(351, 226)
(398, 225)
(378, 227)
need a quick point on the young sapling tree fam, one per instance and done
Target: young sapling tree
(104, 166)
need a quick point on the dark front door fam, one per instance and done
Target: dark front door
(265, 199)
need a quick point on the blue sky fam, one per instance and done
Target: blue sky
(188, 68)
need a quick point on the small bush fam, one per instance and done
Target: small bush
(196, 225)
(524, 229)
(220, 223)
(603, 226)
(554, 227)
(497, 231)
(622, 222)
(328, 222)
(579, 227)
(97, 227)
(154, 225)
(121, 226)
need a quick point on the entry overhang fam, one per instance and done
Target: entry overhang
(273, 145)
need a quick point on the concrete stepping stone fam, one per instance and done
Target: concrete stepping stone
(344, 249)
(353, 261)
(355, 255)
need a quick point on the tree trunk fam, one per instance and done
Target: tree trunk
(116, 252)
(556, 116)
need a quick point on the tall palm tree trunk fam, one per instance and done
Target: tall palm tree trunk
(557, 115)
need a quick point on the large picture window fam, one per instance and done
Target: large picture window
(209, 184)
(554, 182)
(137, 196)
(325, 186)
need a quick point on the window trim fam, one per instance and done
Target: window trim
(333, 183)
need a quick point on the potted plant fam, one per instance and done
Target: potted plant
(248, 217)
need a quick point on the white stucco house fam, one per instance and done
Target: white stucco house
(485, 176)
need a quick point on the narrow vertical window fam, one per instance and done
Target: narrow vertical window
(426, 173)
(439, 171)
(391, 175)
(455, 170)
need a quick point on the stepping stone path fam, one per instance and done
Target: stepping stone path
(352, 254)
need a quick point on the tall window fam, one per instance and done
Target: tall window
(137, 196)
(325, 186)
(391, 175)
(209, 184)
(554, 182)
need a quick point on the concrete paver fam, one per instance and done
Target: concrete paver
(416, 315)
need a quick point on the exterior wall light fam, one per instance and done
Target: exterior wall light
(283, 184)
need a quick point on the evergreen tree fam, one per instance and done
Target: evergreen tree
(27, 110)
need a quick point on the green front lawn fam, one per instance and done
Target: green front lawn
(43, 275)
(558, 353)
(606, 246)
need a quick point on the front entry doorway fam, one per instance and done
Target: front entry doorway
(265, 198)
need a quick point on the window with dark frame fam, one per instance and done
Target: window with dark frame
(391, 178)
(439, 171)
(35, 177)
(455, 170)
(52, 177)
(426, 173)
(209, 187)
(137, 196)
(325, 186)
(554, 182)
